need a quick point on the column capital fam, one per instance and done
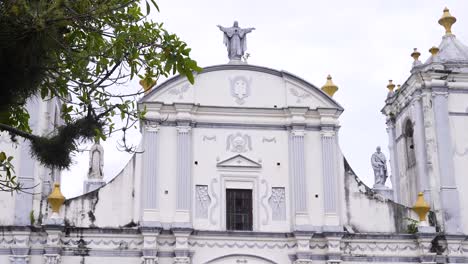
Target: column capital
(298, 132)
(183, 128)
(152, 126)
(440, 93)
(327, 133)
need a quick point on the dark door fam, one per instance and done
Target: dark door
(238, 209)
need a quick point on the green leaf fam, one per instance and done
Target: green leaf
(148, 9)
(3, 156)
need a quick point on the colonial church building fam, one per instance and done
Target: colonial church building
(244, 166)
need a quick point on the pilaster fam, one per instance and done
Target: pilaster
(149, 251)
(20, 250)
(331, 188)
(333, 247)
(181, 248)
(420, 148)
(303, 253)
(183, 176)
(299, 183)
(24, 200)
(395, 178)
(150, 174)
(425, 244)
(448, 189)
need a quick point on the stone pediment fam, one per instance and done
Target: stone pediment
(238, 161)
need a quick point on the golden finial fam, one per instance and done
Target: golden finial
(147, 85)
(415, 54)
(447, 20)
(434, 50)
(56, 198)
(421, 207)
(329, 88)
(390, 85)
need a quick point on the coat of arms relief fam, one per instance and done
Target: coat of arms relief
(240, 88)
(238, 143)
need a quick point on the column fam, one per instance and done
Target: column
(448, 188)
(182, 247)
(150, 176)
(420, 148)
(183, 176)
(393, 160)
(149, 251)
(52, 249)
(297, 161)
(303, 251)
(20, 251)
(330, 176)
(24, 200)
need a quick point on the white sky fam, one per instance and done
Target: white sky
(361, 43)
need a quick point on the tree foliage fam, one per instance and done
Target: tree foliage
(78, 50)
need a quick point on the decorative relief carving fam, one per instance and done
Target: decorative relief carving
(238, 143)
(277, 203)
(149, 260)
(215, 203)
(51, 258)
(269, 140)
(181, 260)
(19, 259)
(460, 153)
(180, 91)
(264, 197)
(299, 95)
(240, 88)
(203, 201)
(207, 138)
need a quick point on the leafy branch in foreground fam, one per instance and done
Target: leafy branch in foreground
(82, 52)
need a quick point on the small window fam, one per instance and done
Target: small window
(239, 209)
(409, 144)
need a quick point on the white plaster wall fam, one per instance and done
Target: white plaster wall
(7, 200)
(314, 177)
(214, 89)
(459, 128)
(408, 175)
(167, 173)
(362, 205)
(219, 247)
(209, 152)
(113, 205)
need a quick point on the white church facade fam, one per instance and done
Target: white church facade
(244, 166)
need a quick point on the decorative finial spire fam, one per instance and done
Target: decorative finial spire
(398, 87)
(421, 208)
(415, 54)
(329, 88)
(147, 85)
(390, 85)
(56, 199)
(434, 50)
(447, 20)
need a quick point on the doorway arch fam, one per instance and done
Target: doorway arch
(235, 258)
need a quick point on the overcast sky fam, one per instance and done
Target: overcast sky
(361, 43)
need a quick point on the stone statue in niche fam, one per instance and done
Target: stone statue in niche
(240, 88)
(96, 162)
(379, 164)
(235, 39)
(238, 143)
